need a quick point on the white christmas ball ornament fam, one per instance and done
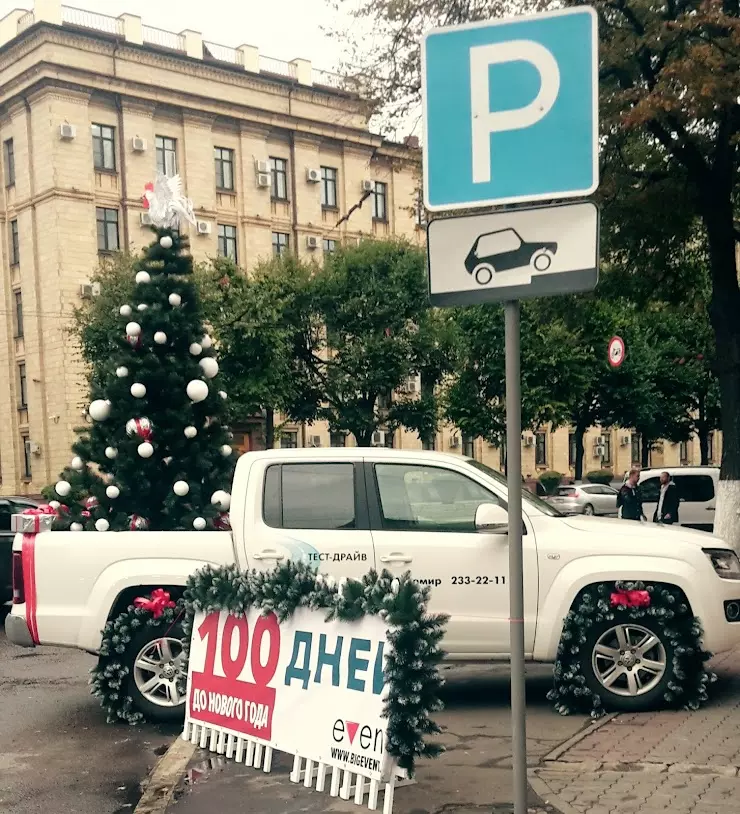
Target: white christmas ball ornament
(190, 432)
(206, 342)
(112, 492)
(138, 390)
(226, 450)
(76, 527)
(223, 395)
(165, 242)
(111, 452)
(222, 500)
(181, 488)
(102, 524)
(197, 390)
(125, 311)
(174, 300)
(160, 337)
(122, 372)
(143, 277)
(55, 504)
(199, 524)
(63, 488)
(209, 366)
(99, 409)
(77, 463)
(195, 349)
(133, 329)
(145, 450)
(142, 306)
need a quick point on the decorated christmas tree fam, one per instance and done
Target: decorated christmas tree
(155, 454)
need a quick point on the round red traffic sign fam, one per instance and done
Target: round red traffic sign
(616, 351)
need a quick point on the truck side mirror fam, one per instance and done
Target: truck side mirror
(491, 518)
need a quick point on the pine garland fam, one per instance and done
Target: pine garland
(109, 677)
(683, 631)
(412, 668)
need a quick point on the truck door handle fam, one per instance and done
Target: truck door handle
(396, 556)
(268, 554)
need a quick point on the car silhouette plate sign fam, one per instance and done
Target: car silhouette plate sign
(511, 110)
(517, 254)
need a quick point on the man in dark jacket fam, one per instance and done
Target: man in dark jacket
(629, 499)
(667, 509)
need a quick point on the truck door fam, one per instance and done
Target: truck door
(314, 511)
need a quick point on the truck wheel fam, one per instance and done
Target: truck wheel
(157, 672)
(627, 664)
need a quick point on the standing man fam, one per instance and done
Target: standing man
(667, 511)
(629, 499)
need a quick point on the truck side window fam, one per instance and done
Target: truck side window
(695, 488)
(650, 489)
(5, 514)
(310, 496)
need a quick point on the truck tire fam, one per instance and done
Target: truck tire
(157, 676)
(627, 663)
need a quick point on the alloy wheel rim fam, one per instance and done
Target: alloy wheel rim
(159, 672)
(629, 660)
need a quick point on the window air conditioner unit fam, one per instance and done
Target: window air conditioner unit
(262, 167)
(313, 176)
(145, 218)
(599, 451)
(67, 131)
(138, 144)
(203, 227)
(89, 290)
(412, 384)
(368, 186)
(33, 447)
(600, 440)
(528, 440)
(314, 441)
(379, 438)
(455, 442)
(312, 242)
(625, 440)
(263, 179)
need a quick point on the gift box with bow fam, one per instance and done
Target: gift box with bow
(33, 521)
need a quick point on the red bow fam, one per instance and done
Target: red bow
(156, 604)
(631, 599)
(45, 509)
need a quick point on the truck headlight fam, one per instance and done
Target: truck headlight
(724, 562)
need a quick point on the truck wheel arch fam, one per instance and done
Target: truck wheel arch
(126, 597)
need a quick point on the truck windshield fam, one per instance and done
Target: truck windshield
(527, 496)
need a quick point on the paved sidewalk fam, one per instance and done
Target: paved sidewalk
(682, 762)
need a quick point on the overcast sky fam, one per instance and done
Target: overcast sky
(284, 29)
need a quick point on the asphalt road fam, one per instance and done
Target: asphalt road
(57, 754)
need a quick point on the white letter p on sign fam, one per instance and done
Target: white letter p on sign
(484, 122)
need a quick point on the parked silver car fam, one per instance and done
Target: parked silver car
(589, 498)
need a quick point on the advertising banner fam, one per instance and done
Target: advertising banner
(304, 686)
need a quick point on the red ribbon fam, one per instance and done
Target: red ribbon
(631, 599)
(44, 509)
(156, 603)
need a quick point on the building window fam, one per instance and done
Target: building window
(9, 160)
(606, 440)
(227, 241)
(104, 147)
(289, 440)
(684, 452)
(280, 243)
(389, 438)
(328, 188)
(18, 302)
(166, 150)
(540, 449)
(279, 179)
(380, 201)
(15, 249)
(468, 446)
(224, 168)
(572, 449)
(429, 444)
(26, 449)
(420, 212)
(710, 448)
(329, 245)
(22, 387)
(635, 444)
(107, 229)
(502, 456)
(338, 439)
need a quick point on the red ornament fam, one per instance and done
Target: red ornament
(681, 361)
(157, 602)
(137, 523)
(630, 599)
(85, 513)
(222, 522)
(141, 427)
(63, 509)
(700, 356)
(91, 502)
(134, 341)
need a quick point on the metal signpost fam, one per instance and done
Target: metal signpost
(511, 116)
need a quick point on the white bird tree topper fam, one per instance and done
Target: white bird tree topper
(166, 202)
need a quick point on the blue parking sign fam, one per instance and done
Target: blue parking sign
(511, 110)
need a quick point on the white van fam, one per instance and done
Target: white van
(697, 489)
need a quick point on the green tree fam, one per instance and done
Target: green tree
(157, 450)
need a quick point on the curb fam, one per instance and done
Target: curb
(579, 736)
(164, 777)
(544, 792)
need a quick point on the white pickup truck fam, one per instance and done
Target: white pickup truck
(349, 510)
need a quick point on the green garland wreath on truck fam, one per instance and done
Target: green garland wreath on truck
(412, 667)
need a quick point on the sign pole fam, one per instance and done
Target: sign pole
(516, 575)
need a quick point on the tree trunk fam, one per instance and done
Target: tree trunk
(703, 434)
(724, 310)
(269, 428)
(578, 435)
(363, 438)
(645, 446)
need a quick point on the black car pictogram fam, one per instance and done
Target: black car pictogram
(504, 250)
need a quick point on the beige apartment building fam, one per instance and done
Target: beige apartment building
(273, 155)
